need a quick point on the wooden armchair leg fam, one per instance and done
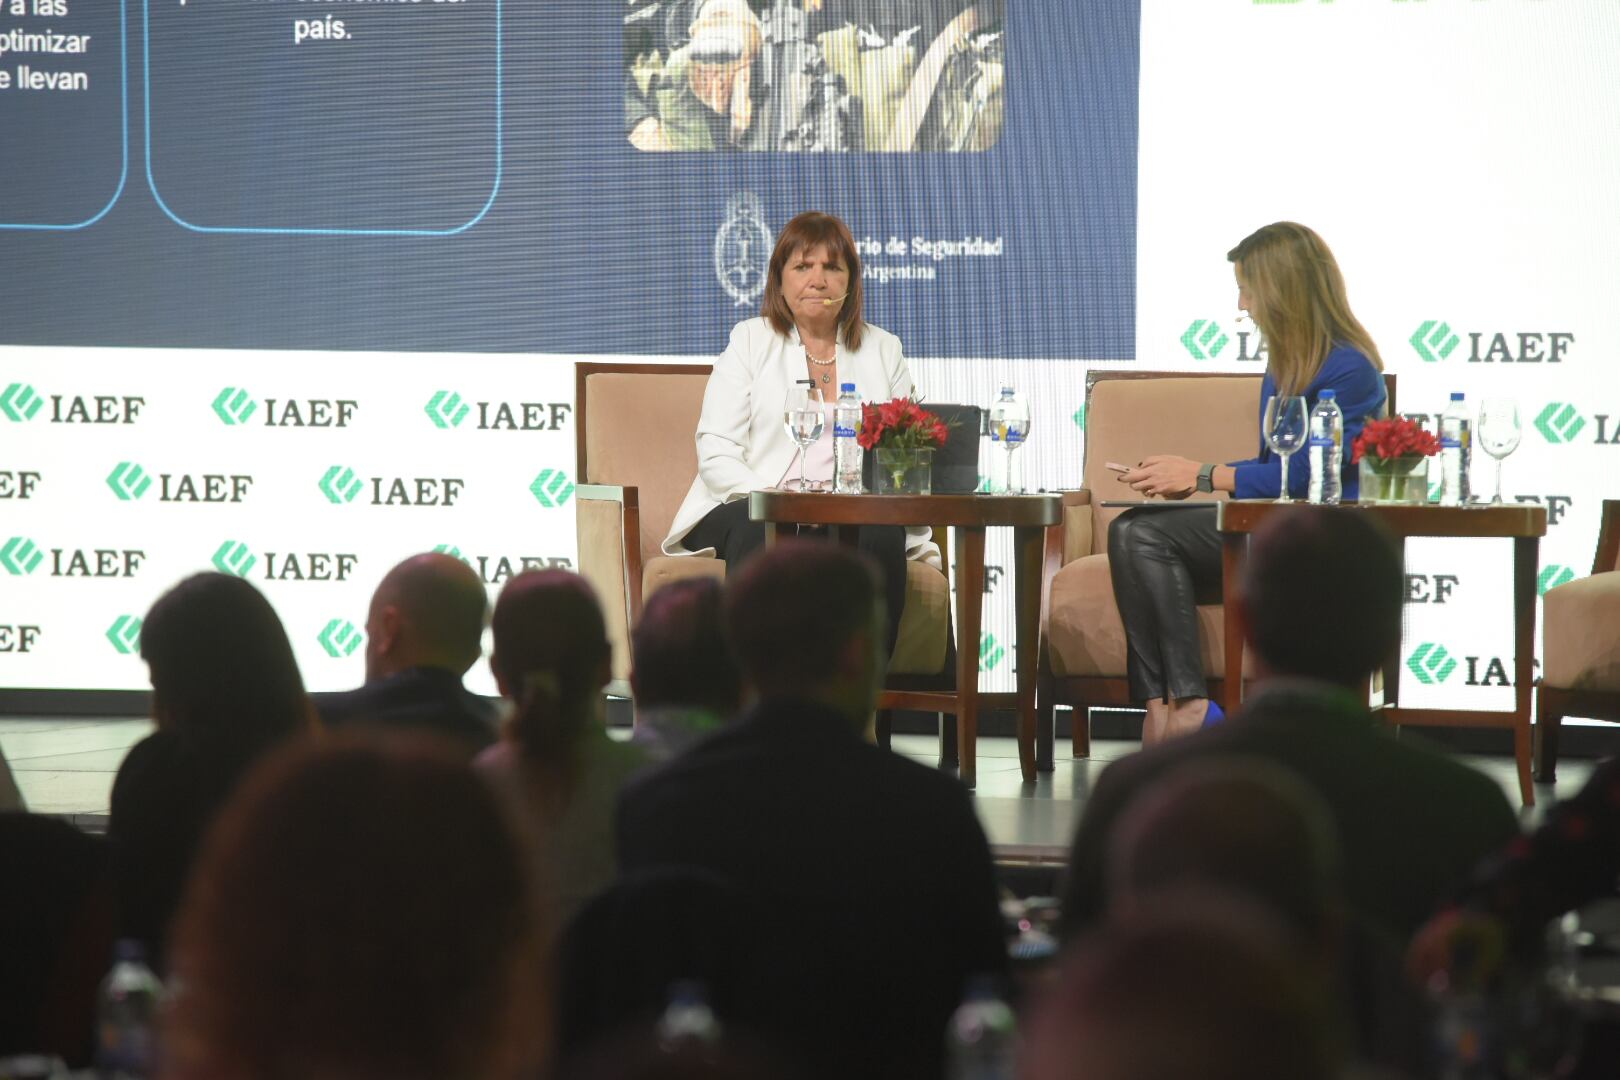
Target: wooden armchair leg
(1549, 718)
(1045, 724)
(1080, 736)
(883, 728)
(949, 754)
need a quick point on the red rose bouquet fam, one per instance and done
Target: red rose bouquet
(901, 424)
(1397, 437)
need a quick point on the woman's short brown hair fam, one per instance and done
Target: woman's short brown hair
(813, 229)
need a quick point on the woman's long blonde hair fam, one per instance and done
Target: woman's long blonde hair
(1296, 298)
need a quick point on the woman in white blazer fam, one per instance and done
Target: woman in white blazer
(810, 328)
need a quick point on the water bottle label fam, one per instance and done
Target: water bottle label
(843, 431)
(1450, 442)
(1322, 441)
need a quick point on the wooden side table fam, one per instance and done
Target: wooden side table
(969, 515)
(1525, 524)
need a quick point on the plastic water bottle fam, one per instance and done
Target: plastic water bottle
(1009, 427)
(688, 1020)
(126, 1020)
(1326, 449)
(980, 1041)
(846, 451)
(1456, 452)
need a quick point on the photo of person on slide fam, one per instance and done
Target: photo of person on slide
(828, 75)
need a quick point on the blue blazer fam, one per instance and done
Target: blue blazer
(1358, 387)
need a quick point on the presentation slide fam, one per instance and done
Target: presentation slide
(292, 289)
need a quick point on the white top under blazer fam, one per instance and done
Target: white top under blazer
(742, 440)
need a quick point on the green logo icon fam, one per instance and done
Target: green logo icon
(128, 480)
(340, 638)
(990, 653)
(1552, 575)
(234, 558)
(19, 402)
(340, 485)
(125, 634)
(1080, 418)
(450, 550)
(234, 406)
(552, 487)
(19, 555)
(1559, 423)
(1204, 339)
(1431, 663)
(1433, 340)
(446, 409)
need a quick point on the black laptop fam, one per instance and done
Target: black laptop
(956, 464)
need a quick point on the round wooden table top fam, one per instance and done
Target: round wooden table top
(1476, 519)
(823, 508)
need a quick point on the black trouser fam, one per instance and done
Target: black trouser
(734, 538)
(1164, 562)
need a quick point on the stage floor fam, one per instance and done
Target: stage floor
(65, 767)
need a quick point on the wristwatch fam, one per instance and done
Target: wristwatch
(1206, 478)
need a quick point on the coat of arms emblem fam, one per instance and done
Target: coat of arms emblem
(742, 248)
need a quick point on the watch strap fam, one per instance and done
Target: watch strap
(1206, 478)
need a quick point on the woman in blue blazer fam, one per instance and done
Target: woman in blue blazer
(1164, 564)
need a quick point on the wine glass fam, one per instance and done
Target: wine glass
(1285, 425)
(1498, 433)
(1014, 430)
(804, 419)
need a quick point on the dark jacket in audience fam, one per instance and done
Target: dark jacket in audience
(874, 869)
(164, 797)
(1411, 821)
(416, 699)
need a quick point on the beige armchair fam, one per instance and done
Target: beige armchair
(1580, 653)
(1129, 415)
(637, 455)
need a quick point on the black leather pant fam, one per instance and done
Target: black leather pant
(735, 538)
(1164, 562)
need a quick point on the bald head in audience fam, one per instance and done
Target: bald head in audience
(1205, 989)
(429, 611)
(1238, 824)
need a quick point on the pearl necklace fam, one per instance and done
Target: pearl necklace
(826, 376)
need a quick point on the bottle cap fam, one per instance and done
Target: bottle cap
(1456, 395)
(1005, 390)
(1327, 395)
(846, 388)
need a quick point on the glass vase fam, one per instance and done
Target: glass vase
(904, 472)
(1399, 480)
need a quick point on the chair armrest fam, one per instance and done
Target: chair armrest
(1608, 549)
(1580, 634)
(618, 574)
(1055, 555)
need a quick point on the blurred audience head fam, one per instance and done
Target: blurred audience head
(1206, 990)
(1241, 825)
(806, 619)
(681, 656)
(1321, 594)
(644, 1055)
(551, 658)
(360, 910)
(223, 674)
(428, 611)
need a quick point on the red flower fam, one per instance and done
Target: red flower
(899, 424)
(1393, 438)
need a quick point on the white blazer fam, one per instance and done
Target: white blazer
(742, 442)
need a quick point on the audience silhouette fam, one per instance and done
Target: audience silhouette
(225, 689)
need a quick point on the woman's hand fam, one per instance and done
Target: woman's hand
(1164, 475)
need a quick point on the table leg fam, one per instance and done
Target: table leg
(1526, 551)
(1234, 547)
(1027, 544)
(969, 616)
(773, 532)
